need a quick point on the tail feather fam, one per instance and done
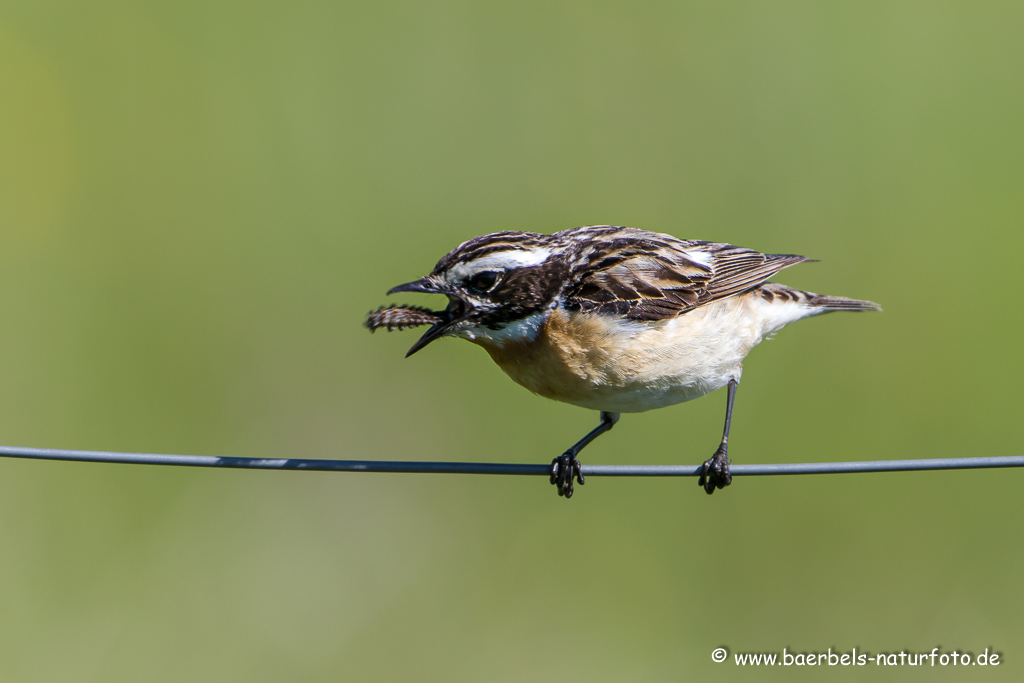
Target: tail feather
(841, 303)
(773, 292)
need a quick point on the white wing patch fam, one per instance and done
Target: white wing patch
(698, 256)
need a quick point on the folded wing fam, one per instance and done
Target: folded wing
(650, 276)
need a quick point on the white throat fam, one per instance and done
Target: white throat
(524, 330)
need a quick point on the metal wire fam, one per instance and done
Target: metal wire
(408, 466)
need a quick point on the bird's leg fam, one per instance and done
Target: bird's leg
(566, 467)
(715, 473)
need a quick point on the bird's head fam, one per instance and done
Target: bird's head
(492, 283)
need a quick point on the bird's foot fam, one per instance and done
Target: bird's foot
(564, 469)
(715, 473)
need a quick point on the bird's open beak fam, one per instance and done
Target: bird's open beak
(457, 309)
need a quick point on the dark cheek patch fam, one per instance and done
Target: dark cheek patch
(524, 291)
(530, 289)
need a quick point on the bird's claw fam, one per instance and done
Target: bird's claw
(564, 469)
(715, 472)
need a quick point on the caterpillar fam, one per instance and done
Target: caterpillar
(399, 317)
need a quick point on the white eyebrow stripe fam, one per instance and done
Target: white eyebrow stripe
(501, 260)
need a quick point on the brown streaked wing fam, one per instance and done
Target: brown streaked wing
(738, 269)
(656, 277)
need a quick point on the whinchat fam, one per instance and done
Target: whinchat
(614, 319)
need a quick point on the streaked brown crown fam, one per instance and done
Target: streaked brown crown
(481, 246)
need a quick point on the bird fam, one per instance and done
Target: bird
(614, 319)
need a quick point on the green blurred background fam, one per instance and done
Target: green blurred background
(199, 201)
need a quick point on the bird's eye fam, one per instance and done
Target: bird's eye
(484, 281)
